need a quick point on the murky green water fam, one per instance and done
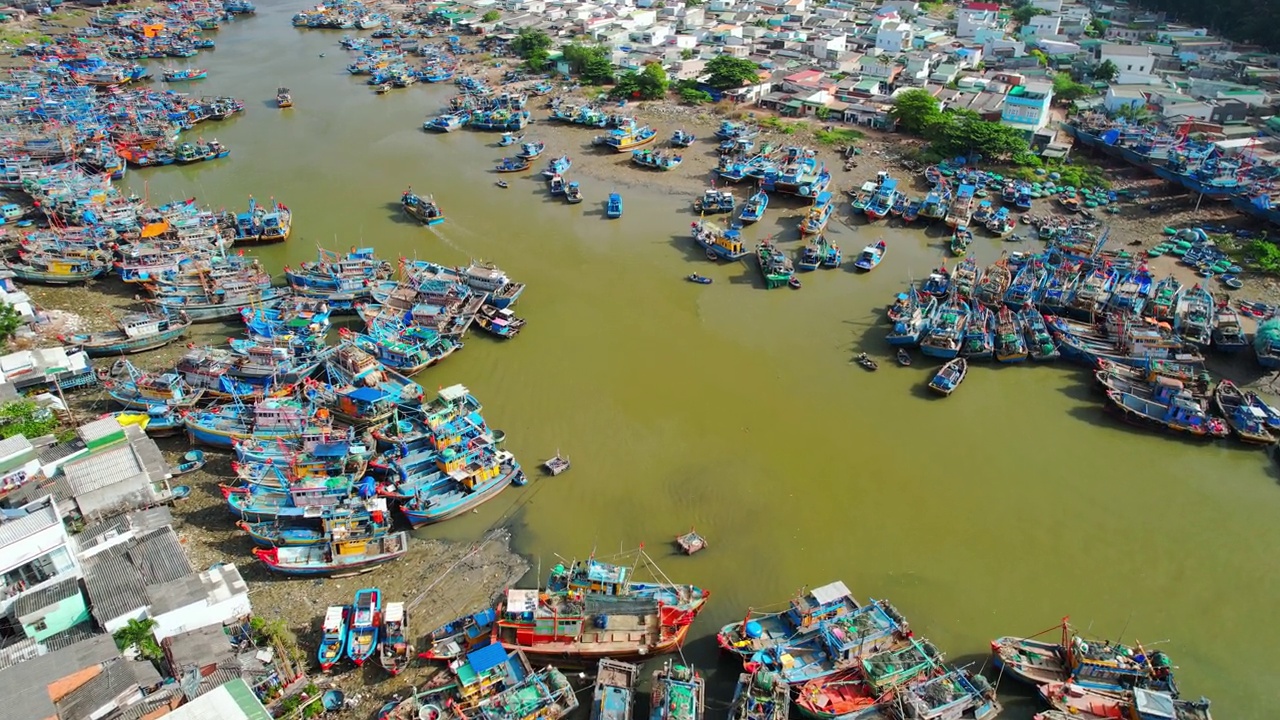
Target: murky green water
(738, 411)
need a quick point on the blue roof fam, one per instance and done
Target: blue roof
(337, 449)
(367, 394)
(890, 184)
(487, 657)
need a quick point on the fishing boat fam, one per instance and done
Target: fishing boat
(979, 335)
(56, 270)
(837, 644)
(715, 201)
(1094, 664)
(961, 209)
(463, 482)
(815, 221)
(866, 362)
(964, 279)
(184, 74)
(904, 357)
(134, 333)
(459, 637)
(323, 524)
(1040, 344)
(613, 208)
(573, 193)
(192, 461)
(949, 377)
(543, 694)
(956, 694)
(719, 243)
(1131, 292)
(760, 695)
(1249, 423)
(508, 139)
(556, 465)
(807, 613)
(424, 210)
(630, 137)
(335, 558)
(656, 159)
(775, 266)
(678, 693)
(283, 98)
(393, 645)
(556, 185)
(870, 257)
(1193, 317)
(614, 692)
(828, 252)
(271, 418)
(754, 208)
(333, 637)
(557, 166)
(682, 139)
(501, 322)
(961, 237)
(912, 212)
(699, 279)
(883, 198)
(362, 633)
(1072, 702)
(864, 690)
(995, 282)
(531, 150)
(1170, 406)
(1227, 335)
(945, 335)
(513, 165)
(1010, 338)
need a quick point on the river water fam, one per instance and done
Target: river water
(738, 410)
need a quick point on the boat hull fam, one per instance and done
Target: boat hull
(419, 518)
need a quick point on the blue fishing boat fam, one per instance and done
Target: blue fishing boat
(938, 283)
(281, 418)
(1228, 334)
(134, 333)
(500, 322)
(407, 349)
(956, 694)
(1248, 422)
(1040, 343)
(870, 257)
(754, 208)
(760, 695)
(333, 637)
(558, 166)
(979, 335)
(222, 303)
(657, 160)
(805, 615)
(509, 139)
(556, 185)
(961, 238)
(338, 278)
(361, 522)
(184, 74)
(337, 556)
(909, 329)
(613, 208)
(1087, 663)
(1168, 406)
(290, 322)
(459, 637)
(473, 477)
(366, 622)
(810, 258)
(835, 644)
(949, 377)
(681, 139)
(945, 336)
(531, 150)
(134, 389)
(883, 199)
(830, 252)
(1010, 337)
(678, 693)
(513, 165)
(614, 692)
(1132, 292)
(912, 211)
(815, 221)
(715, 201)
(424, 210)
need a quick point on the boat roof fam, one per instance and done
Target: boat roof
(606, 573)
(522, 600)
(487, 657)
(367, 394)
(333, 617)
(394, 612)
(889, 184)
(1154, 704)
(454, 393)
(830, 592)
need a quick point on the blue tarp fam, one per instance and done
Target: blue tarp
(487, 657)
(366, 394)
(338, 449)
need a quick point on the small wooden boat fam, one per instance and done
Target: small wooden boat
(513, 165)
(394, 651)
(691, 542)
(362, 633)
(1249, 423)
(794, 283)
(192, 461)
(283, 98)
(865, 361)
(502, 184)
(557, 464)
(335, 558)
(904, 357)
(950, 376)
(696, 278)
(382, 89)
(614, 207)
(459, 637)
(134, 333)
(870, 257)
(615, 688)
(332, 700)
(333, 637)
(180, 492)
(501, 322)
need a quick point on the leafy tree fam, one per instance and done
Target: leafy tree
(1023, 13)
(10, 321)
(1133, 113)
(965, 132)
(693, 96)
(24, 417)
(138, 633)
(1068, 90)
(537, 60)
(728, 72)
(627, 86)
(528, 41)
(686, 54)
(653, 82)
(1097, 28)
(916, 111)
(1265, 255)
(590, 63)
(491, 16)
(1107, 71)
(1040, 57)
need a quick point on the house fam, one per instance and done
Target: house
(804, 81)
(827, 47)
(895, 36)
(18, 463)
(30, 370)
(1053, 7)
(233, 700)
(944, 74)
(51, 609)
(35, 553)
(1026, 107)
(873, 113)
(213, 598)
(1045, 27)
(1229, 112)
(29, 690)
(1120, 96)
(976, 16)
(128, 473)
(1133, 61)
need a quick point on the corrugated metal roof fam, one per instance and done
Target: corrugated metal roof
(70, 636)
(24, 693)
(160, 558)
(141, 522)
(101, 692)
(37, 518)
(14, 445)
(203, 646)
(37, 600)
(113, 585)
(99, 429)
(102, 469)
(54, 453)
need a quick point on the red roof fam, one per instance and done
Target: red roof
(993, 7)
(805, 76)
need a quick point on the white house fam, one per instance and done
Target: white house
(995, 45)
(1133, 61)
(217, 596)
(35, 551)
(895, 36)
(827, 47)
(975, 16)
(1041, 26)
(1120, 96)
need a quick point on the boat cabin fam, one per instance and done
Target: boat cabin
(592, 576)
(487, 671)
(334, 618)
(820, 605)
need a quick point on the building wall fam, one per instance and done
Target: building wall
(199, 615)
(65, 614)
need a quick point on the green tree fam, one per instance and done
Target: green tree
(529, 41)
(1041, 58)
(1023, 13)
(964, 132)
(1068, 90)
(728, 72)
(1107, 71)
(690, 95)
(24, 417)
(10, 321)
(627, 86)
(137, 633)
(1096, 28)
(589, 62)
(1133, 113)
(653, 82)
(537, 60)
(916, 111)
(491, 16)
(687, 54)
(693, 3)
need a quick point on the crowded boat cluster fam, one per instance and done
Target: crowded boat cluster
(827, 655)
